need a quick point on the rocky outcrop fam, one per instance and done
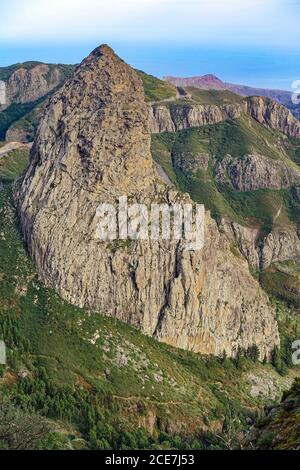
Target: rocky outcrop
(190, 163)
(282, 244)
(27, 84)
(175, 117)
(92, 146)
(252, 172)
(211, 82)
(245, 238)
(273, 115)
(18, 133)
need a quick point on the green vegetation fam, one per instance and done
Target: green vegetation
(240, 137)
(292, 146)
(101, 379)
(97, 383)
(26, 115)
(155, 89)
(278, 429)
(13, 164)
(12, 114)
(282, 280)
(216, 97)
(27, 125)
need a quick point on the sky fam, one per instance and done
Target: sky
(254, 42)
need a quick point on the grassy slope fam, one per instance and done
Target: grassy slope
(27, 125)
(217, 97)
(283, 280)
(13, 163)
(14, 113)
(155, 89)
(101, 379)
(236, 138)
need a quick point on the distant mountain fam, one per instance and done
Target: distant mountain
(28, 85)
(211, 82)
(30, 81)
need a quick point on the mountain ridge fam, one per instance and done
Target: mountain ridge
(101, 152)
(210, 81)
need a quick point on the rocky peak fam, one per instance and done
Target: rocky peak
(92, 146)
(101, 117)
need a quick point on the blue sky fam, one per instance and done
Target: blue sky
(254, 42)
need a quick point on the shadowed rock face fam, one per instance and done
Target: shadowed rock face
(92, 146)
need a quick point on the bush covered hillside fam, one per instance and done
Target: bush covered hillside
(77, 379)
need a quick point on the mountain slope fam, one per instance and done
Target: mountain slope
(245, 170)
(279, 428)
(102, 152)
(30, 81)
(211, 82)
(28, 86)
(97, 381)
(102, 384)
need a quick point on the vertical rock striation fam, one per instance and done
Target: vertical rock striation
(92, 146)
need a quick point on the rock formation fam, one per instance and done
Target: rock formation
(211, 82)
(27, 84)
(252, 172)
(175, 117)
(92, 146)
(282, 244)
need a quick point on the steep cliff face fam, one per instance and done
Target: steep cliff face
(93, 145)
(175, 117)
(211, 82)
(282, 244)
(27, 84)
(171, 118)
(273, 115)
(252, 172)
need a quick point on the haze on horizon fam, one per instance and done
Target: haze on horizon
(254, 42)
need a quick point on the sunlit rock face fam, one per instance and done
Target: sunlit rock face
(93, 146)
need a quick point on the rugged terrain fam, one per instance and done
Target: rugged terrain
(211, 82)
(30, 81)
(278, 428)
(27, 86)
(93, 146)
(240, 157)
(89, 381)
(92, 381)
